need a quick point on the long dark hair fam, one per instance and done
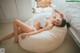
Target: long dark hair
(64, 23)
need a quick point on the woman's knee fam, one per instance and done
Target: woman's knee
(16, 21)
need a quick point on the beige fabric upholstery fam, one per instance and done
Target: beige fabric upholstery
(45, 41)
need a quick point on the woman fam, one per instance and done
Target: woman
(20, 27)
(50, 23)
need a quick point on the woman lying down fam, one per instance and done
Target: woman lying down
(20, 27)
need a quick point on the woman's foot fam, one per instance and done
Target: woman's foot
(0, 41)
(16, 40)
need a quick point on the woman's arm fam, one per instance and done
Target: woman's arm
(57, 11)
(35, 32)
(61, 15)
(43, 29)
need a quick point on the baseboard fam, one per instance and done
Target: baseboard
(11, 20)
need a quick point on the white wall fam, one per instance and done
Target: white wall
(15, 9)
(22, 9)
(61, 5)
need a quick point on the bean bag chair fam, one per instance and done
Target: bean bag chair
(45, 41)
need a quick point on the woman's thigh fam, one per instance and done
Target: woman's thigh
(37, 25)
(23, 27)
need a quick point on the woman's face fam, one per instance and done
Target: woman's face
(57, 21)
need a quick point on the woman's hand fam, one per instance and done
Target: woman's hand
(61, 15)
(24, 35)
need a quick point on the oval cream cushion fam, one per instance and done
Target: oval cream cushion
(45, 41)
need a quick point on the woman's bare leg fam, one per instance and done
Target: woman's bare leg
(7, 37)
(18, 26)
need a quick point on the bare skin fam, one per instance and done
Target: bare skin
(56, 22)
(20, 27)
